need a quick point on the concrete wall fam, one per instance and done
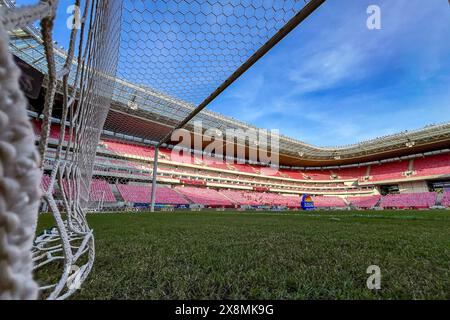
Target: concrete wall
(413, 186)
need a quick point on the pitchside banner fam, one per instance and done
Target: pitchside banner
(30, 80)
(307, 202)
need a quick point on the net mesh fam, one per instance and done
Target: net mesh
(63, 255)
(173, 54)
(85, 106)
(168, 56)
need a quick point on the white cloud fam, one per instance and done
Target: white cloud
(334, 82)
(326, 69)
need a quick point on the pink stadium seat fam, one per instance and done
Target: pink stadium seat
(165, 154)
(350, 173)
(100, 189)
(142, 194)
(215, 163)
(293, 174)
(204, 196)
(239, 197)
(37, 127)
(388, 171)
(409, 200)
(446, 199)
(433, 165)
(365, 202)
(45, 182)
(317, 175)
(124, 149)
(261, 198)
(329, 202)
(54, 130)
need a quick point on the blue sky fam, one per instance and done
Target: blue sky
(332, 81)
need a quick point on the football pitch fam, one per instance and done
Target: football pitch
(268, 255)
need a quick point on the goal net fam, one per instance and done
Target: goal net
(62, 255)
(134, 72)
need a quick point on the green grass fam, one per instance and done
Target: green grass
(229, 255)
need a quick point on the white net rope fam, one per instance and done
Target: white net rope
(19, 183)
(63, 255)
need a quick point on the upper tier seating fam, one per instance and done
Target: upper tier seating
(100, 189)
(409, 200)
(388, 171)
(204, 196)
(365, 202)
(351, 173)
(54, 130)
(292, 174)
(329, 202)
(242, 168)
(446, 199)
(142, 194)
(317, 175)
(215, 163)
(439, 164)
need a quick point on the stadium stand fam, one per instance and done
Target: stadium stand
(45, 182)
(317, 175)
(252, 198)
(124, 160)
(142, 194)
(114, 91)
(364, 202)
(127, 149)
(418, 200)
(351, 173)
(446, 199)
(204, 196)
(240, 197)
(329, 202)
(101, 191)
(434, 165)
(388, 171)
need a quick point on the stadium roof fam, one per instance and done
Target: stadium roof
(146, 113)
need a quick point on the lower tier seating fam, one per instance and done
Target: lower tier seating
(204, 196)
(251, 198)
(446, 199)
(364, 202)
(409, 200)
(329, 202)
(101, 190)
(142, 194)
(45, 182)
(388, 171)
